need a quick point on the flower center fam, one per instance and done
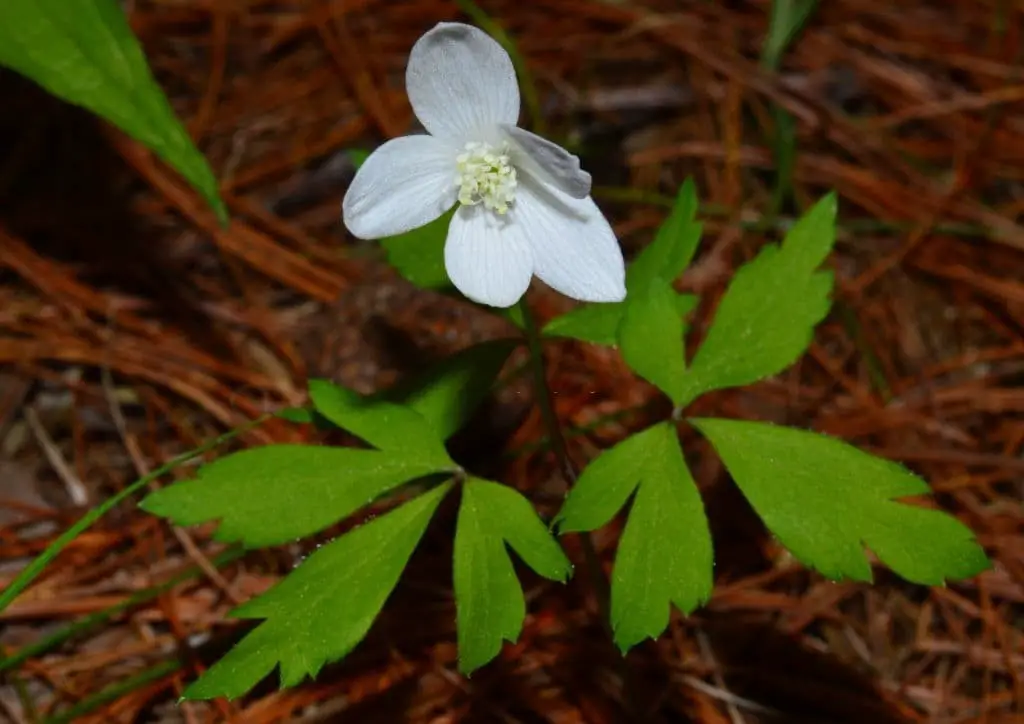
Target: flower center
(485, 175)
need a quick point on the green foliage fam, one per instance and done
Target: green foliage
(418, 255)
(651, 273)
(84, 52)
(767, 316)
(278, 493)
(826, 500)
(324, 607)
(385, 425)
(651, 339)
(489, 599)
(665, 553)
(448, 394)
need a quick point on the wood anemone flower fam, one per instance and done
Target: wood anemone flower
(524, 202)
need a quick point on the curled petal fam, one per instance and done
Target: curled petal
(461, 83)
(574, 248)
(487, 258)
(404, 184)
(549, 163)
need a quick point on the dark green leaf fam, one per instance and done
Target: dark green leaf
(84, 52)
(826, 500)
(448, 394)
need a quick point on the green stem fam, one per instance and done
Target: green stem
(33, 569)
(545, 399)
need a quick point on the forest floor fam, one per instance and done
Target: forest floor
(133, 329)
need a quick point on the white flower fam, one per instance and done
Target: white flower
(525, 207)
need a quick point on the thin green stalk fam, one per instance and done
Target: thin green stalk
(33, 569)
(526, 83)
(89, 622)
(116, 691)
(545, 399)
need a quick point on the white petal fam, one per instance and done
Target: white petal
(461, 83)
(548, 162)
(574, 248)
(404, 184)
(487, 258)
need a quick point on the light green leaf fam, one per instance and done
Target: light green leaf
(651, 339)
(489, 600)
(324, 607)
(298, 415)
(279, 493)
(767, 316)
(594, 323)
(665, 553)
(448, 394)
(826, 500)
(84, 52)
(418, 255)
(673, 247)
(599, 323)
(385, 425)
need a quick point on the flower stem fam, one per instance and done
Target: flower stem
(545, 400)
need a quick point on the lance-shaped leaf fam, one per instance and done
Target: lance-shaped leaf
(385, 425)
(279, 493)
(489, 600)
(324, 607)
(651, 339)
(767, 316)
(665, 553)
(825, 500)
(84, 52)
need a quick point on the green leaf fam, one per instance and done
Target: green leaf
(84, 52)
(418, 255)
(665, 554)
(651, 339)
(594, 323)
(767, 316)
(298, 415)
(448, 394)
(387, 426)
(324, 607)
(279, 493)
(673, 247)
(826, 500)
(599, 323)
(489, 600)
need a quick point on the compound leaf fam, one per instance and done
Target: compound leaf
(324, 607)
(278, 493)
(84, 52)
(489, 599)
(767, 316)
(826, 500)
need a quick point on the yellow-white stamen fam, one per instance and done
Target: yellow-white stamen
(485, 175)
